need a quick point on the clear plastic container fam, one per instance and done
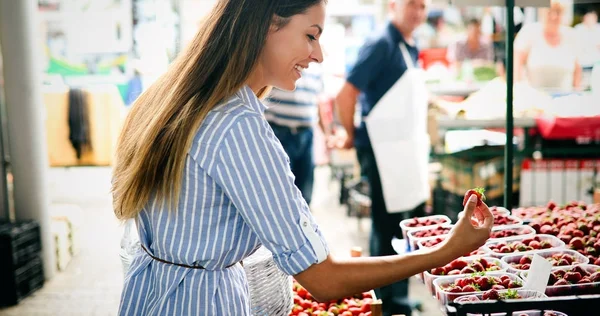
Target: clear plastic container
(517, 230)
(525, 294)
(429, 278)
(421, 243)
(413, 238)
(573, 289)
(554, 242)
(404, 225)
(444, 297)
(515, 258)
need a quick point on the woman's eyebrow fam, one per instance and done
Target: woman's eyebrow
(319, 27)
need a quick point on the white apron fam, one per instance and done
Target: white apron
(397, 128)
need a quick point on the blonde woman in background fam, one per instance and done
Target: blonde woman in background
(546, 53)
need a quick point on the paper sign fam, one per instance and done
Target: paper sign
(538, 274)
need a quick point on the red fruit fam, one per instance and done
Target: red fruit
(573, 277)
(484, 263)
(484, 283)
(580, 270)
(458, 264)
(546, 229)
(560, 282)
(498, 287)
(438, 271)
(597, 262)
(467, 270)
(477, 266)
(454, 289)
(577, 233)
(469, 288)
(535, 245)
(584, 280)
(514, 284)
(525, 266)
(595, 277)
(490, 295)
(565, 238)
(454, 272)
(505, 249)
(545, 245)
(536, 226)
(568, 258)
(478, 192)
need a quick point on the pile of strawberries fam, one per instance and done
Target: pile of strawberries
(461, 266)
(306, 305)
(528, 244)
(575, 275)
(481, 282)
(576, 224)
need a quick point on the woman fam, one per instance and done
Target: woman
(202, 173)
(546, 53)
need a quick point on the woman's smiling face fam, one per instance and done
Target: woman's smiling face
(289, 49)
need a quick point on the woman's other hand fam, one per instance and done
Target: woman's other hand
(472, 230)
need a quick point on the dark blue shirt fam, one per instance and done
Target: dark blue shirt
(378, 66)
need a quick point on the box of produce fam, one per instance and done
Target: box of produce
(463, 267)
(501, 233)
(449, 288)
(519, 263)
(495, 295)
(581, 279)
(577, 226)
(420, 222)
(365, 304)
(414, 235)
(523, 244)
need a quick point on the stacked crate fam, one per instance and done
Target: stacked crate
(21, 268)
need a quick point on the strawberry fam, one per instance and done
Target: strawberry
(438, 271)
(545, 245)
(469, 288)
(584, 280)
(535, 245)
(490, 295)
(454, 272)
(514, 284)
(573, 277)
(458, 264)
(576, 243)
(454, 289)
(478, 192)
(467, 270)
(597, 262)
(568, 258)
(561, 282)
(498, 287)
(484, 263)
(595, 277)
(477, 266)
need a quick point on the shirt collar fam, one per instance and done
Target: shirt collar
(394, 33)
(249, 98)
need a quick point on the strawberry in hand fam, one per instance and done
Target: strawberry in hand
(478, 192)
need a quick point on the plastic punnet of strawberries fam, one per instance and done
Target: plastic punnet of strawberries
(306, 305)
(516, 231)
(434, 242)
(481, 282)
(527, 244)
(461, 266)
(557, 260)
(427, 221)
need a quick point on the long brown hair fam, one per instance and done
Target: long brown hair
(159, 129)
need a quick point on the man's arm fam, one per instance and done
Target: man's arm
(345, 103)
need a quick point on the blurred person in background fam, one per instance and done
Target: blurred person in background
(588, 32)
(546, 53)
(475, 47)
(381, 62)
(292, 116)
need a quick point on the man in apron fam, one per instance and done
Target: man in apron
(391, 142)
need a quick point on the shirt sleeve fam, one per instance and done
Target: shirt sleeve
(253, 170)
(368, 64)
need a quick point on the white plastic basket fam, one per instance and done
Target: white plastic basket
(270, 289)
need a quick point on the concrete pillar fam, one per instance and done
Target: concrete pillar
(25, 111)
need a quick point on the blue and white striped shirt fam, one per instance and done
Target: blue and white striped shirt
(298, 108)
(237, 193)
